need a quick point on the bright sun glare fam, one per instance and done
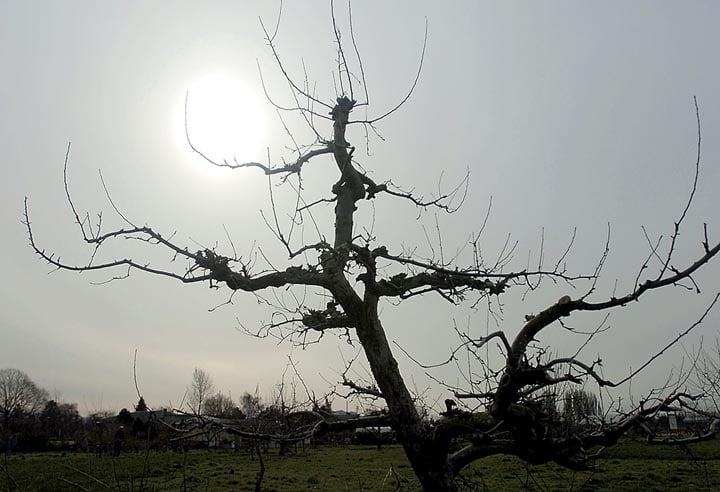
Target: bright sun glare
(226, 120)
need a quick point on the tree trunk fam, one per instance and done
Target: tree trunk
(428, 458)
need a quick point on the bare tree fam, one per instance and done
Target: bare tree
(579, 407)
(200, 390)
(251, 405)
(19, 395)
(502, 411)
(706, 378)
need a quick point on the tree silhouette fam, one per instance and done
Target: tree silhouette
(220, 405)
(18, 395)
(124, 417)
(60, 420)
(200, 390)
(356, 272)
(141, 406)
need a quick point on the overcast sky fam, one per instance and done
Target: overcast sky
(568, 114)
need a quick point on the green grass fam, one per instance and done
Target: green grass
(323, 468)
(631, 466)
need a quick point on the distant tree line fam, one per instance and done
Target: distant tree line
(39, 423)
(35, 421)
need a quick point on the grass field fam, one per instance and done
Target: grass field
(631, 466)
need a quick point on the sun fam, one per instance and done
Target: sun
(226, 120)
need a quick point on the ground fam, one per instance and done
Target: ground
(630, 466)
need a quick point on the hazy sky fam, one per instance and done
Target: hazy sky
(568, 114)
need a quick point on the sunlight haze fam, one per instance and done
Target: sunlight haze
(567, 115)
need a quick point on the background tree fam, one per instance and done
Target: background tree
(18, 395)
(200, 390)
(355, 274)
(220, 405)
(251, 405)
(579, 408)
(60, 420)
(141, 406)
(124, 417)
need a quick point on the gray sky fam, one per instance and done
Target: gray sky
(569, 114)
